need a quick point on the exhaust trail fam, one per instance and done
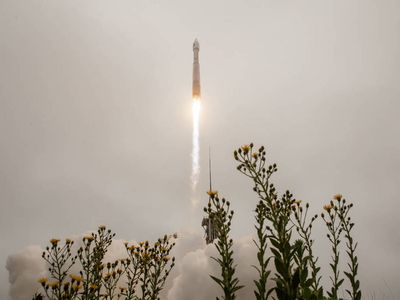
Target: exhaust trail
(195, 143)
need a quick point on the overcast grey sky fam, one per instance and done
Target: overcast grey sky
(95, 116)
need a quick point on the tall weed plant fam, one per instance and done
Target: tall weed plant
(288, 267)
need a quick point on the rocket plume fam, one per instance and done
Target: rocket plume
(196, 94)
(195, 143)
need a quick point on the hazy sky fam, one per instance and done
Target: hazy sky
(95, 116)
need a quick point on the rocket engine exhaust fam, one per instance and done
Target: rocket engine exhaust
(196, 95)
(195, 143)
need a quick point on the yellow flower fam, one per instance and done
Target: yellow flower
(246, 149)
(93, 286)
(68, 241)
(88, 238)
(43, 280)
(54, 284)
(76, 278)
(212, 194)
(337, 197)
(255, 155)
(102, 227)
(328, 207)
(54, 242)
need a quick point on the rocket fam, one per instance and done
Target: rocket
(196, 93)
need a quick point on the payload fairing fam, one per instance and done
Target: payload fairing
(196, 92)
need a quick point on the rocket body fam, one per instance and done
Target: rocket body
(196, 91)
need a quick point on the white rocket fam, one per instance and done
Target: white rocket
(196, 92)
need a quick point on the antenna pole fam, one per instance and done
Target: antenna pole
(209, 165)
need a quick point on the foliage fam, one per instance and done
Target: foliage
(146, 266)
(284, 235)
(337, 222)
(221, 215)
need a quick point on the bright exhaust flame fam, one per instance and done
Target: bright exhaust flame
(196, 144)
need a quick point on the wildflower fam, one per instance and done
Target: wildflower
(166, 258)
(328, 207)
(76, 278)
(54, 242)
(102, 227)
(43, 281)
(88, 238)
(54, 284)
(68, 241)
(93, 286)
(255, 155)
(245, 149)
(212, 194)
(337, 197)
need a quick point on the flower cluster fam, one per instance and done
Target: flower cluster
(276, 217)
(338, 221)
(60, 259)
(146, 264)
(219, 217)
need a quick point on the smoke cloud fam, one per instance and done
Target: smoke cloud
(24, 269)
(193, 280)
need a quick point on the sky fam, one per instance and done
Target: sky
(95, 122)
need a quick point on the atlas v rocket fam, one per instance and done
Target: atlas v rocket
(196, 92)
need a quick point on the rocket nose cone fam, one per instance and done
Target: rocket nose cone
(196, 44)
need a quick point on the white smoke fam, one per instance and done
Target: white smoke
(24, 270)
(193, 280)
(189, 279)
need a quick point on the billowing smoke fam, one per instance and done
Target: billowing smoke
(24, 269)
(195, 143)
(189, 279)
(193, 280)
